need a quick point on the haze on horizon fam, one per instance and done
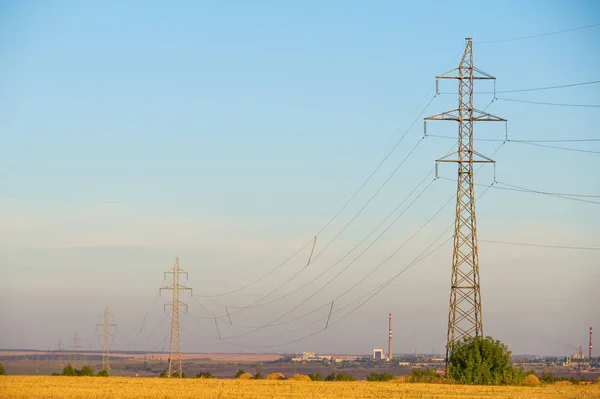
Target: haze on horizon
(229, 134)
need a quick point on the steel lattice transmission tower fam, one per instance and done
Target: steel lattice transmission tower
(464, 315)
(59, 354)
(106, 324)
(75, 345)
(175, 346)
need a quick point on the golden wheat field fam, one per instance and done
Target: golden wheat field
(21, 387)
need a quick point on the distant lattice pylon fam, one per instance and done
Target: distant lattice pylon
(74, 346)
(175, 364)
(59, 354)
(106, 324)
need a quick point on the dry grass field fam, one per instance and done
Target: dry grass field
(21, 387)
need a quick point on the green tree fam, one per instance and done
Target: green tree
(68, 370)
(163, 374)
(380, 377)
(103, 373)
(482, 361)
(2, 371)
(316, 377)
(85, 371)
(239, 372)
(343, 376)
(424, 375)
(548, 377)
(258, 376)
(203, 374)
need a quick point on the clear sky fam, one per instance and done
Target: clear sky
(229, 133)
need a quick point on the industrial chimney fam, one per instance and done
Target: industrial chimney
(591, 346)
(390, 341)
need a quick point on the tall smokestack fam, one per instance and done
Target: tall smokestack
(591, 346)
(390, 341)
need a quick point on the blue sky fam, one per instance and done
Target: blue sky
(229, 133)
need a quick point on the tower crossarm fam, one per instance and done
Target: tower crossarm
(474, 116)
(464, 72)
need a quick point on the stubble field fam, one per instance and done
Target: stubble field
(21, 387)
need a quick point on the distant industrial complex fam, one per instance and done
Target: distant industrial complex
(575, 362)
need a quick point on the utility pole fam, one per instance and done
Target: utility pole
(107, 324)
(464, 314)
(74, 345)
(175, 345)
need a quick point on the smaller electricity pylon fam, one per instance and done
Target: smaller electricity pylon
(107, 324)
(75, 345)
(175, 345)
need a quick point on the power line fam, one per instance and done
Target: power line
(539, 35)
(364, 183)
(548, 103)
(270, 324)
(349, 252)
(414, 110)
(279, 266)
(158, 324)
(512, 187)
(591, 82)
(556, 141)
(356, 258)
(358, 213)
(387, 259)
(554, 146)
(422, 256)
(415, 261)
(142, 324)
(408, 155)
(523, 244)
(521, 141)
(546, 87)
(199, 324)
(536, 143)
(381, 287)
(349, 289)
(353, 218)
(356, 192)
(382, 263)
(548, 192)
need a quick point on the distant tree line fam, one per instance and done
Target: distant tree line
(85, 371)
